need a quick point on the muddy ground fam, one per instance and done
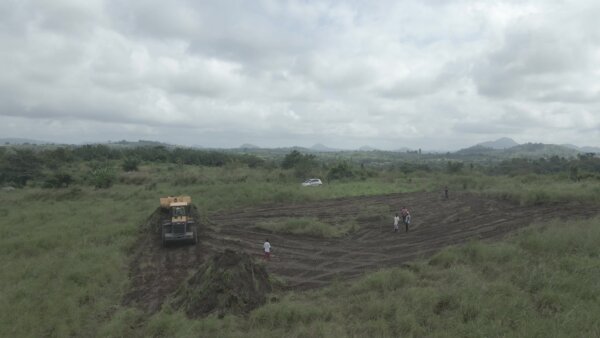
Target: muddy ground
(305, 262)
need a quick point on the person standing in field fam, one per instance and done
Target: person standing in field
(405, 217)
(396, 222)
(267, 248)
(446, 192)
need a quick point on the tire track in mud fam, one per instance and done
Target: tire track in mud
(310, 262)
(307, 262)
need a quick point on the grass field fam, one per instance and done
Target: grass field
(64, 257)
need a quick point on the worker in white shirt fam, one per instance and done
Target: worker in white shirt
(396, 222)
(267, 247)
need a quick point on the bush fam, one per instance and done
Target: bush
(131, 164)
(58, 180)
(341, 171)
(454, 167)
(135, 178)
(303, 165)
(20, 167)
(102, 178)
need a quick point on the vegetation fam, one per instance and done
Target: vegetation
(341, 171)
(67, 231)
(304, 165)
(20, 166)
(131, 164)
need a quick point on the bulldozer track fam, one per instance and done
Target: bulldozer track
(305, 262)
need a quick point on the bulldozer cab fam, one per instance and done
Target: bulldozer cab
(180, 225)
(179, 211)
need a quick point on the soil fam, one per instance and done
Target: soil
(305, 262)
(229, 282)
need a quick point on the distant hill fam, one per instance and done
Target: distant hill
(540, 150)
(322, 148)
(529, 150)
(248, 146)
(367, 148)
(139, 143)
(501, 143)
(478, 150)
(595, 150)
(16, 140)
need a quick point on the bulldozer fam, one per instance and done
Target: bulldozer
(180, 225)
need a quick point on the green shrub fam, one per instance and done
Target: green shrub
(58, 180)
(135, 178)
(131, 164)
(454, 167)
(341, 171)
(19, 167)
(102, 178)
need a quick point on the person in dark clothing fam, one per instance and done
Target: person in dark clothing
(446, 192)
(405, 217)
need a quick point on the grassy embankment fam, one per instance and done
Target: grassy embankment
(64, 262)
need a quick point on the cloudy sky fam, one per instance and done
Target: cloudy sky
(389, 74)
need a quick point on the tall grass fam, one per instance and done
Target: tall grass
(525, 190)
(63, 259)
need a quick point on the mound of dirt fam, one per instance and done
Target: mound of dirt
(229, 282)
(154, 221)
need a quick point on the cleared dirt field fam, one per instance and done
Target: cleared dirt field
(308, 262)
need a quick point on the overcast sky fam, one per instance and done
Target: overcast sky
(389, 74)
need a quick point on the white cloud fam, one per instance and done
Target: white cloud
(431, 74)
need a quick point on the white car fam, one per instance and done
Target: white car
(313, 182)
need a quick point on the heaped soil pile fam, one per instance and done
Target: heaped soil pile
(156, 271)
(154, 222)
(229, 282)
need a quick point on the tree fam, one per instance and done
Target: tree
(131, 164)
(303, 165)
(58, 180)
(574, 173)
(20, 167)
(103, 177)
(290, 160)
(454, 167)
(340, 171)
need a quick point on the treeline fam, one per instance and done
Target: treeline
(306, 166)
(584, 166)
(59, 167)
(160, 154)
(17, 166)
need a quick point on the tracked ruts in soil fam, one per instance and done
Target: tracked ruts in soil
(308, 262)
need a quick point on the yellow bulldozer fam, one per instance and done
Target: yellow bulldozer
(179, 225)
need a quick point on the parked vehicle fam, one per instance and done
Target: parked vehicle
(313, 182)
